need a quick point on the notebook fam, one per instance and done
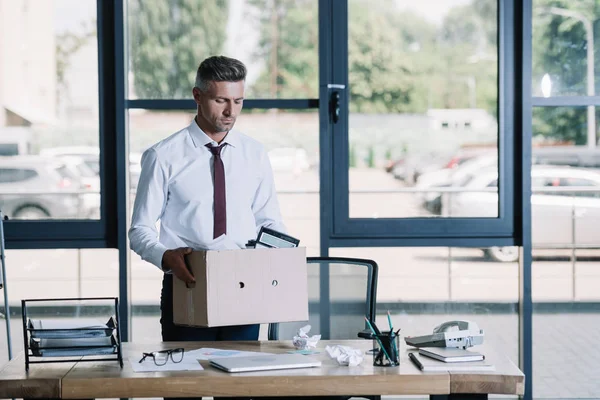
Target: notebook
(450, 354)
(264, 362)
(430, 365)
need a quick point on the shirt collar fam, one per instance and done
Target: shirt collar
(199, 138)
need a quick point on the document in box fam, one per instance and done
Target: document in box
(209, 353)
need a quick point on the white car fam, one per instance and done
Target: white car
(91, 156)
(565, 207)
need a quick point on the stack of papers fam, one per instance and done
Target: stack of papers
(450, 354)
(71, 337)
(427, 364)
(72, 347)
(71, 328)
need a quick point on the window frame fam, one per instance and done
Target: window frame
(437, 231)
(85, 233)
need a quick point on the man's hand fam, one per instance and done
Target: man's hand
(174, 261)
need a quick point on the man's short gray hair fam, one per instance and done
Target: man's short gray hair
(219, 69)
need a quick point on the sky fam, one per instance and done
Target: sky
(433, 10)
(70, 14)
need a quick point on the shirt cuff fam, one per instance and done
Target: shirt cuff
(155, 255)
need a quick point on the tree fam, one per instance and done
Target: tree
(467, 49)
(288, 46)
(67, 44)
(167, 41)
(560, 50)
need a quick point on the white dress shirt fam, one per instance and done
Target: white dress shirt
(176, 187)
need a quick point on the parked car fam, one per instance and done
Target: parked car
(91, 156)
(34, 187)
(561, 218)
(414, 167)
(574, 156)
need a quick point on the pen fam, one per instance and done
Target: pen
(392, 338)
(415, 360)
(378, 340)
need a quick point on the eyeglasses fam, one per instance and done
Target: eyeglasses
(162, 357)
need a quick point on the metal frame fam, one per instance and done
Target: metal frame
(337, 229)
(428, 229)
(84, 233)
(116, 330)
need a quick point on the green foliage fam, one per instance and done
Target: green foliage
(370, 161)
(561, 124)
(352, 156)
(168, 39)
(288, 48)
(560, 50)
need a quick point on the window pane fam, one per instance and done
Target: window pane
(424, 287)
(49, 109)
(566, 125)
(294, 156)
(423, 104)
(277, 40)
(563, 62)
(566, 255)
(47, 274)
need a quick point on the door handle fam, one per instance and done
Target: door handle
(334, 106)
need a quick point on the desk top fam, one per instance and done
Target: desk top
(106, 379)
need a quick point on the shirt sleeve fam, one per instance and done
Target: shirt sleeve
(265, 206)
(148, 207)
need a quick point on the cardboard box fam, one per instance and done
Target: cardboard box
(240, 287)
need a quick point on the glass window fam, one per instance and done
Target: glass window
(565, 207)
(563, 62)
(423, 94)
(16, 175)
(423, 287)
(278, 42)
(56, 273)
(294, 157)
(48, 107)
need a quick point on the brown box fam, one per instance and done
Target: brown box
(246, 286)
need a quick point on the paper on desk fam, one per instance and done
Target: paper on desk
(304, 342)
(209, 353)
(345, 355)
(189, 363)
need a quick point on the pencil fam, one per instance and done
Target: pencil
(378, 340)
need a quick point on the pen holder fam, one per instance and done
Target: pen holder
(386, 350)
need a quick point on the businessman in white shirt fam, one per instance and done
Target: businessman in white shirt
(205, 181)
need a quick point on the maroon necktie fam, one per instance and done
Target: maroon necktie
(220, 214)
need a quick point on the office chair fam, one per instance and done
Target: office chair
(351, 286)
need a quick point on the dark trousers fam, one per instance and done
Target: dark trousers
(174, 333)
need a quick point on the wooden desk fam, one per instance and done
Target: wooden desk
(106, 379)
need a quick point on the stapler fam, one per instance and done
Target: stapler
(460, 334)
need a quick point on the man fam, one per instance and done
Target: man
(203, 182)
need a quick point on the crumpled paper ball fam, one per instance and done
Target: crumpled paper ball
(345, 355)
(304, 342)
